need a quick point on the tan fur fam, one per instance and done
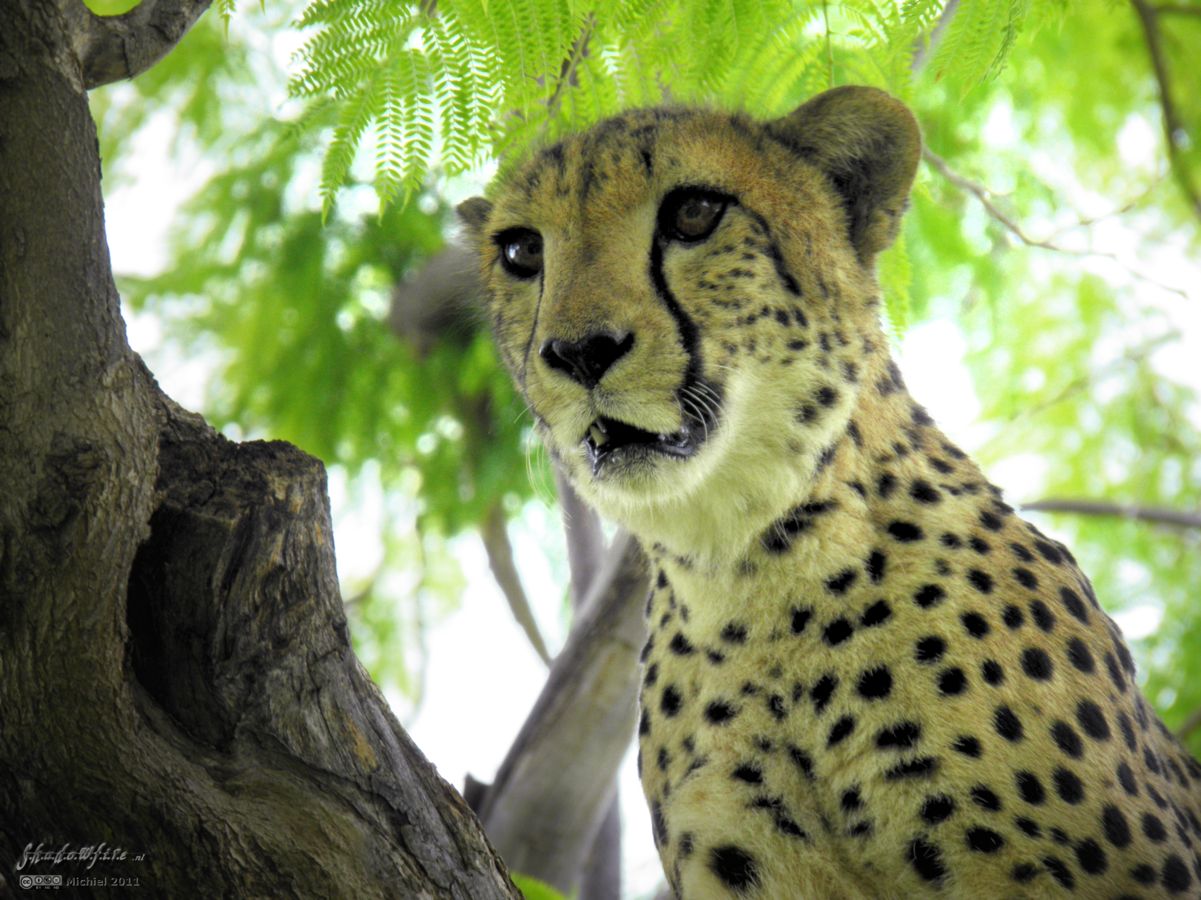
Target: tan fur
(822, 498)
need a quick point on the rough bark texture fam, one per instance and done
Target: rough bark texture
(175, 675)
(113, 48)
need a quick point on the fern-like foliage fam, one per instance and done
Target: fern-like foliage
(453, 83)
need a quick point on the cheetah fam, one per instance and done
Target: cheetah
(866, 675)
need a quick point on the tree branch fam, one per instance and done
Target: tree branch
(437, 303)
(1158, 515)
(925, 51)
(553, 790)
(1174, 131)
(600, 878)
(112, 48)
(495, 533)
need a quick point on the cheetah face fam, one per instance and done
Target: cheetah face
(660, 286)
(610, 447)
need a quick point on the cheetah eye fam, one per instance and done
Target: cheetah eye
(691, 214)
(520, 252)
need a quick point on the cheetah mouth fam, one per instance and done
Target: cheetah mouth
(608, 440)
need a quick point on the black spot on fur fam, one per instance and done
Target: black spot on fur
(1069, 787)
(1037, 664)
(1117, 831)
(926, 860)
(922, 767)
(984, 840)
(670, 702)
(924, 492)
(748, 772)
(719, 712)
(975, 624)
(1060, 872)
(840, 583)
(876, 614)
(1176, 876)
(841, 729)
(838, 631)
(875, 566)
(823, 691)
(930, 649)
(981, 581)
(1092, 720)
(929, 595)
(734, 633)
(901, 736)
(905, 532)
(1007, 724)
(968, 746)
(734, 867)
(680, 645)
(875, 684)
(937, 808)
(952, 681)
(1030, 788)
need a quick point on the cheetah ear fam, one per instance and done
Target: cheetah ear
(868, 144)
(473, 213)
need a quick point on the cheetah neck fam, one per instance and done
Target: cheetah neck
(762, 510)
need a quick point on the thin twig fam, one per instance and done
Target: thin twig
(1191, 724)
(495, 533)
(567, 72)
(1177, 9)
(1118, 211)
(1133, 356)
(984, 195)
(829, 47)
(925, 52)
(1156, 514)
(1173, 127)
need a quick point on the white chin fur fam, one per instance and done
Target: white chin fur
(717, 501)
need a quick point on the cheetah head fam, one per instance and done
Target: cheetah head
(671, 289)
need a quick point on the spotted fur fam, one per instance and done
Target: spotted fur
(866, 676)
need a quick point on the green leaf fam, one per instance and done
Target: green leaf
(895, 275)
(533, 889)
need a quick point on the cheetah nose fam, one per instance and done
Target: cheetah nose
(587, 360)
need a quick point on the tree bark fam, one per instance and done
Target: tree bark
(175, 671)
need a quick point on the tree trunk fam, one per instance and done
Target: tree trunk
(175, 674)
